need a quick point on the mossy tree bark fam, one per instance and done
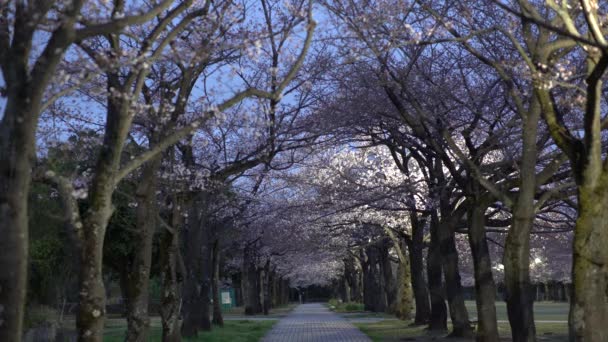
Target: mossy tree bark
(589, 304)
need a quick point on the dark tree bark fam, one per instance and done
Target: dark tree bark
(172, 272)
(439, 314)
(26, 77)
(516, 258)
(138, 274)
(250, 280)
(374, 299)
(92, 298)
(421, 294)
(17, 152)
(266, 287)
(461, 326)
(217, 305)
(389, 281)
(351, 275)
(485, 289)
(206, 259)
(192, 309)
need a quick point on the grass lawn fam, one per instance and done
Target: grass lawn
(342, 307)
(395, 330)
(233, 331)
(543, 311)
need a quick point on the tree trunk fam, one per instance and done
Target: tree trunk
(519, 292)
(170, 295)
(17, 152)
(266, 287)
(25, 82)
(485, 289)
(351, 276)
(516, 259)
(390, 283)
(171, 275)
(91, 314)
(374, 299)
(192, 290)
(439, 314)
(138, 321)
(215, 285)
(206, 261)
(404, 289)
(251, 295)
(589, 305)
(285, 294)
(461, 326)
(419, 286)
(92, 296)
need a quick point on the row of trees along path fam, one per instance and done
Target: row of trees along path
(396, 152)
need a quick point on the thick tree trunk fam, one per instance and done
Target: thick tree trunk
(439, 314)
(92, 296)
(285, 292)
(171, 275)
(91, 314)
(25, 82)
(92, 299)
(192, 290)
(266, 287)
(17, 153)
(391, 284)
(404, 304)
(485, 289)
(461, 326)
(215, 285)
(205, 280)
(419, 286)
(374, 299)
(516, 259)
(276, 291)
(351, 276)
(170, 293)
(138, 321)
(250, 279)
(589, 306)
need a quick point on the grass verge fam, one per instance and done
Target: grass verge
(337, 306)
(233, 331)
(396, 330)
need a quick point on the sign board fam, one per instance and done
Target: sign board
(226, 298)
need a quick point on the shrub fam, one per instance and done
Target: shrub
(352, 306)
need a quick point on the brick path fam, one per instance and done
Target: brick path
(314, 323)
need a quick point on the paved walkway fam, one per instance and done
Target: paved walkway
(314, 323)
